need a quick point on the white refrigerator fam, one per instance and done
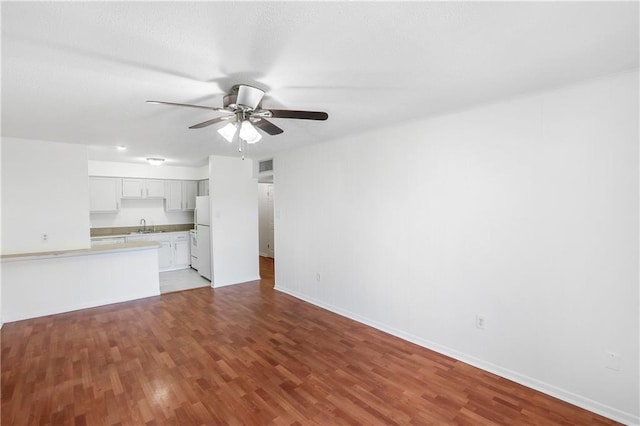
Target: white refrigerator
(202, 219)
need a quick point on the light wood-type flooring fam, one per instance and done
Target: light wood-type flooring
(245, 355)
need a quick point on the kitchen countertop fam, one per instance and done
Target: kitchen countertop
(123, 230)
(107, 248)
(136, 234)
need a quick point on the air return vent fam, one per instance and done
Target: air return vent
(265, 166)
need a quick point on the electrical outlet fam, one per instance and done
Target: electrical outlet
(613, 361)
(44, 237)
(480, 322)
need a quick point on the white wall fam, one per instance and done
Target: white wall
(44, 191)
(524, 212)
(152, 211)
(234, 221)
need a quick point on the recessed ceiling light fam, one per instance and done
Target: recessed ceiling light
(155, 161)
(121, 148)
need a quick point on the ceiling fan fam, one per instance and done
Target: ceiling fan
(244, 113)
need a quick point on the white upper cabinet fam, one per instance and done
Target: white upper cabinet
(203, 187)
(189, 189)
(104, 194)
(154, 188)
(174, 195)
(181, 195)
(143, 188)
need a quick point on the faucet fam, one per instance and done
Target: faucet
(143, 222)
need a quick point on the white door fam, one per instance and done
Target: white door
(270, 224)
(265, 219)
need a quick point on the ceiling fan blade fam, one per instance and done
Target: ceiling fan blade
(191, 106)
(304, 115)
(267, 126)
(210, 122)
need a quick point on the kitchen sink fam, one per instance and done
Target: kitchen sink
(144, 232)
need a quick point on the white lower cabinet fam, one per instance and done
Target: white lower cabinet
(165, 255)
(174, 252)
(181, 250)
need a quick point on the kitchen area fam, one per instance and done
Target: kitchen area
(102, 232)
(171, 212)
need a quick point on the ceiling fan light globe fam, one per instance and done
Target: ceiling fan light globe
(255, 139)
(248, 132)
(228, 131)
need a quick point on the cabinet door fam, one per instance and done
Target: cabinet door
(154, 188)
(189, 189)
(132, 188)
(181, 255)
(104, 194)
(165, 256)
(173, 195)
(203, 187)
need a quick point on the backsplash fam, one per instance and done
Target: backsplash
(132, 211)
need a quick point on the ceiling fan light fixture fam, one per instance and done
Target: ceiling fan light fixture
(249, 133)
(228, 131)
(155, 161)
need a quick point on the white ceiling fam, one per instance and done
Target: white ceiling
(80, 72)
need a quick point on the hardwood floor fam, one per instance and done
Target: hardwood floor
(245, 354)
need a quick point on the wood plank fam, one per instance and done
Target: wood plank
(245, 354)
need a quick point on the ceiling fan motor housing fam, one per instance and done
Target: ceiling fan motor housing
(248, 97)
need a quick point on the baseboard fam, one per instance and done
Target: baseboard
(244, 281)
(546, 388)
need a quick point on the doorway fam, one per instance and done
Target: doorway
(265, 220)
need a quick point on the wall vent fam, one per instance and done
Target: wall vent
(265, 166)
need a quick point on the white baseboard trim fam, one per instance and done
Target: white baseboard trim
(562, 394)
(216, 285)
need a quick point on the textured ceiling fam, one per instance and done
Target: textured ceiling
(80, 72)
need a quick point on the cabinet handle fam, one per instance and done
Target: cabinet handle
(147, 192)
(141, 192)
